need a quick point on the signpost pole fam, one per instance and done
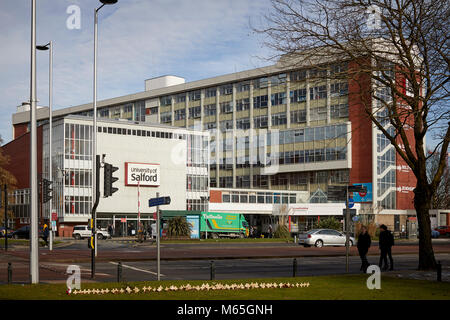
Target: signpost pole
(6, 218)
(347, 235)
(158, 238)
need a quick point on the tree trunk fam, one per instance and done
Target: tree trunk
(422, 202)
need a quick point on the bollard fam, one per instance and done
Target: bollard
(213, 271)
(294, 268)
(9, 273)
(439, 271)
(119, 272)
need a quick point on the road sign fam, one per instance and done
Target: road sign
(336, 193)
(158, 201)
(351, 203)
(352, 212)
(357, 188)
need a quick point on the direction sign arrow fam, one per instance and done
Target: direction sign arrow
(158, 201)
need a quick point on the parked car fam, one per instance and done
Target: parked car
(24, 233)
(82, 231)
(443, 230)
(323, 237)
(435, 234)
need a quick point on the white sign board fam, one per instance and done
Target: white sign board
(144, 174)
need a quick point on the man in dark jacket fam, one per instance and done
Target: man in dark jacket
(363, 245)
(385, 243)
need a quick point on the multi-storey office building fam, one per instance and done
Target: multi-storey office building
(150, 158)
(278, 135)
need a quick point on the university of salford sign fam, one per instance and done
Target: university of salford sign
(144, 174)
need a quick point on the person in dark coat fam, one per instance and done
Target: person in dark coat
(110, 230)
(385, 243)
(363, 245)
(45, 234)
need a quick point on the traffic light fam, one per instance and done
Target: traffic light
(47, 191)
(91, 242)
(108, 189)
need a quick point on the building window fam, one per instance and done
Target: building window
(298, 116)
(165, 101)
(226, 89)
(180, 114)
(243, 86)
(209, 110)
(243, 123)
(319, 92)
(210, 92)
(139, 111)
(260, 102)
(226, 107)
(166, 117)
(194, 95)
(243, 104)
(260, 121)
(195, 112)
(279, 119)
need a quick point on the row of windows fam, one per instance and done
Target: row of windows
(141, 133)
(306, 156)
(258, 197)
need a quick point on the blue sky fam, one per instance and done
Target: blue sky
(138, 39)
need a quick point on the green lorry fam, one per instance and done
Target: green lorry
(218, 224)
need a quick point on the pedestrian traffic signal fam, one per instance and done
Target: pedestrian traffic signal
(108, 189)
(91, 243)
(47, 191)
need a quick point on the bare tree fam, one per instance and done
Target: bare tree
(397, 52)
(441, 198)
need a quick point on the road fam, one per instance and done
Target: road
(192, 261)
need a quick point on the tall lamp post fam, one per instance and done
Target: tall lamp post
(94, 143)
(49, 46)
(34, 244)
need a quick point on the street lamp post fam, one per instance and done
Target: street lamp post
(34, 244)
(94, 137)
(49, 46)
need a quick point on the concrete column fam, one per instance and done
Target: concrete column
(288, 102)
(269, 104)
(251, 136)
(328, 96)
(308, 100)
(218, 136)
(186, 103)
(234, 135)
(202, 105)
(172, 110)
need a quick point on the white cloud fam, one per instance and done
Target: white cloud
(138, 39)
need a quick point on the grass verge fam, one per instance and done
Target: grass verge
(352, 287)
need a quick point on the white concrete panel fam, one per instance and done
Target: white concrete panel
(120, 149)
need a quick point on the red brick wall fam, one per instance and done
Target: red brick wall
(405, 179)
(20, 129)
(215, 196)
(18, 151)
(358, 98)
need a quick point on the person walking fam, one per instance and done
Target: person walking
(386, 242)
(363, 246)
(270, 231)
(45, 234)
(110, 230)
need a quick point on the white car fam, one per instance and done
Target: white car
(323, 237)
(82, 231)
